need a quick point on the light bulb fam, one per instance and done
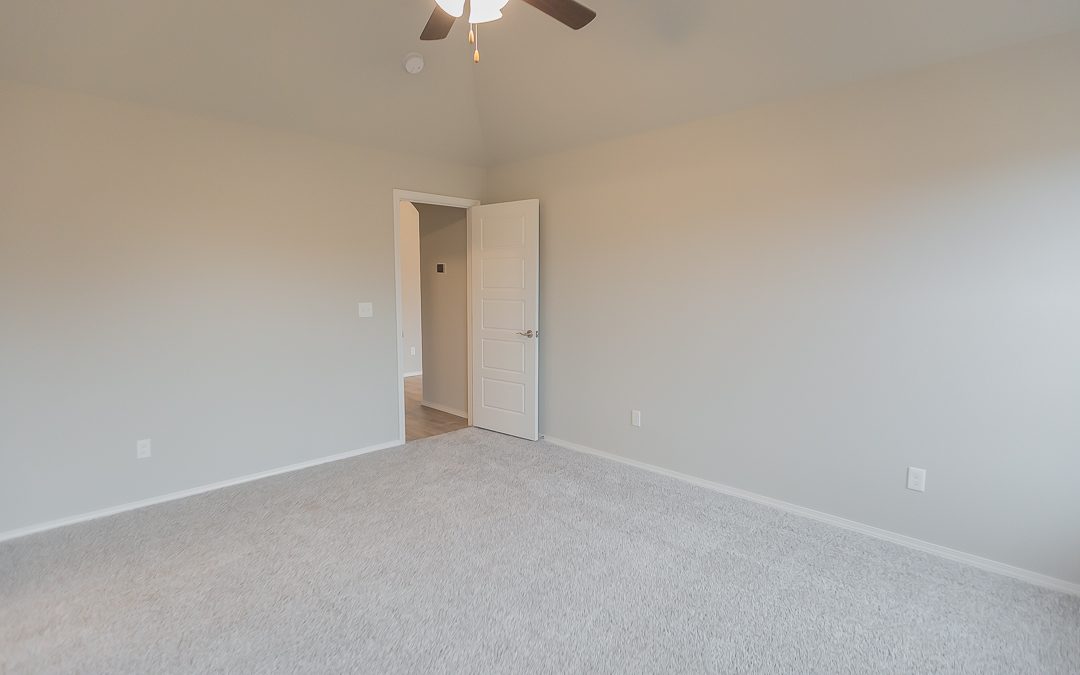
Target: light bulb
(483, 11)
(454, 8)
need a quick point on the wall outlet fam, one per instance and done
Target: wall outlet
(916, 479)
(635, 418)
(412, 351)
(142, 449)
(366, 310)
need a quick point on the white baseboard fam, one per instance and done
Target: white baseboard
(446, 409)
(413, 374)
(896, 538)
(131, 506)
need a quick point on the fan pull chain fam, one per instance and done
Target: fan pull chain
(476, 39)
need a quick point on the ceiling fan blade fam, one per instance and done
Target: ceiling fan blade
(438, 26)
(573, 14)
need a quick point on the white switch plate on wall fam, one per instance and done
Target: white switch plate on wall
(916, 479)
(142, 449)
(635, 418)
(366, 310)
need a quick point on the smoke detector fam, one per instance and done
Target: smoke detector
(413, 63)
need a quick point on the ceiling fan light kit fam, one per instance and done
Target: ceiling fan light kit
(454, 8)
(484, 11)
(569, 12)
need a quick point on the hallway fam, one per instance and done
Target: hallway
(421, 421)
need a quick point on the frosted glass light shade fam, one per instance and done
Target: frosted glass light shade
(454, 8)
(483, 11)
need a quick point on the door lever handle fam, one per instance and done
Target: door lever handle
(527, 333)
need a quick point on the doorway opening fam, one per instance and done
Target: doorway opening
(433, 287)
(501, 266)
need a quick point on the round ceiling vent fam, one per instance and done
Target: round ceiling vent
(413, 63)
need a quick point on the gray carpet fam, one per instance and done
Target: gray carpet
(474, 552)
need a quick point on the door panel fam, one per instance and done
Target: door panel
(504, 396)
(503, 355)
(503, 273)
(502, 314)
(505, 288)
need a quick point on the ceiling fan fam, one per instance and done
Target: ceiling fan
(569, 12)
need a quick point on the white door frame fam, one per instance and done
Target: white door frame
(437, 200)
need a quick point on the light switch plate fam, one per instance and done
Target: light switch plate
(916, 479)
(366, 310)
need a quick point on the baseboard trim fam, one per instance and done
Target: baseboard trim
(911, 542)
(413, 374)
(191, 492)
(446, 409)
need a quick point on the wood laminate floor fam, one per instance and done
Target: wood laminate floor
(421, 421)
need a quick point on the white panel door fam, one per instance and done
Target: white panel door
(505, 288)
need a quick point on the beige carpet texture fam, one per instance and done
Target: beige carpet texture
(476, 552)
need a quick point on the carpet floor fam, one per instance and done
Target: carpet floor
(475, 552)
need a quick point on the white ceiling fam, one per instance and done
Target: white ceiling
(332, 68)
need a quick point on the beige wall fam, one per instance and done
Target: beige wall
(803, 299)
(191, 281)
(409, 247)
(806, 298)
(444, 239)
